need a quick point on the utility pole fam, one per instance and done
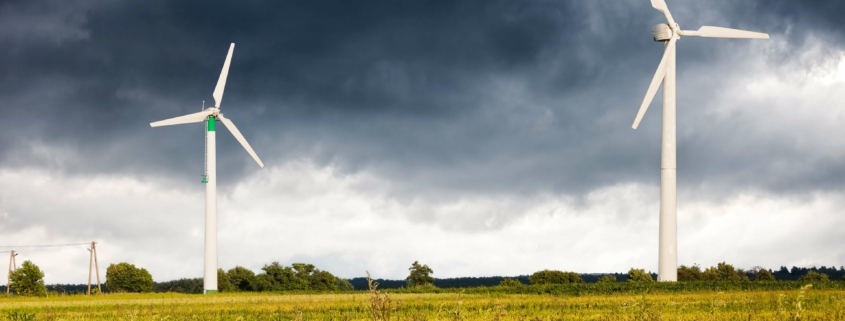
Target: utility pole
(92, 264)
(12, 266)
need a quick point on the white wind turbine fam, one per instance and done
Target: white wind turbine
(667, 269)
(210, 115)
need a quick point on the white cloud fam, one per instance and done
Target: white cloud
(347, 224)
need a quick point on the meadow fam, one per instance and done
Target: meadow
(772, 303)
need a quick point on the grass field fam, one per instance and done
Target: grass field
(806, 304)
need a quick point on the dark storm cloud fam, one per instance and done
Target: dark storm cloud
(441, 98)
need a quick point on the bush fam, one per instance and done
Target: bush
(813, 276)
(344, 285)
(554, 277)
(28, 280)
(639, 275)
(510, 282)
(764, 275)
(125, 277)
(607, 279)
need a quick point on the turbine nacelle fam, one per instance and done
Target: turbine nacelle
(662, 32)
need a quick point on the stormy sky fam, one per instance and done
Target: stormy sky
(478, 137)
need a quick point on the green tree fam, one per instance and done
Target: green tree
(607, 279)
(125, 277)
(344, 285)
(710, 274)
(298, 276)
(28, 280)
(224, 284)
(241, 278)
(639, 275)
(813, 276)
(727, 272)
(764, 275)
(510, 282)
(554, 277)
(420, 275)
(689, 273)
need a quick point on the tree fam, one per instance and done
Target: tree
(510, 282)
(639, 275)
(554, 277)
(689, 273)
(813, 276)
(420, 275)
(28, 280)
(298, 276)
(241, 278)
(724, 272)
(764, 275)
(344, 285)
(125, 277)
(607, 279)
(710, 274)
(223, 282)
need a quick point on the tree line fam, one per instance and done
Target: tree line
(274, 277)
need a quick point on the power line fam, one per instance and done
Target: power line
(43, 245)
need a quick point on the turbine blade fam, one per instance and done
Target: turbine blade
(221, 83)
(661, 6)
(655, 82)
(187, 119)
(719, 32)
(235, 132)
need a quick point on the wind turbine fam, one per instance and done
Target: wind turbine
(667, 268)
(210, 116)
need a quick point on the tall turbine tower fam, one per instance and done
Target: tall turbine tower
(667, 268)
(211, 115)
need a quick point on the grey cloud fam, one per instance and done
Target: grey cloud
(443, 99)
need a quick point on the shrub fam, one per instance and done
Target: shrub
(813, 276)
(607, 279)
(554, 277)
(639, 275)
(764, 275)
(28, 280)
(125, 277)
(344, 285)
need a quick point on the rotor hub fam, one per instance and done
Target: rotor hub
(214, 111)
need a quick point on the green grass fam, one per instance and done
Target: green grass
(816, 303)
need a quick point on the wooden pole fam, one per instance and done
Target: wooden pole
(90, 266)
(9, 279)
(96, 267)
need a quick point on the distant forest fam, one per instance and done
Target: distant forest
(195, 285)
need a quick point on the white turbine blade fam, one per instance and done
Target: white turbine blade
(655, 82)
(221, 83)
(187, 119)
(719, 32)
(662, 7)
(235, 132)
